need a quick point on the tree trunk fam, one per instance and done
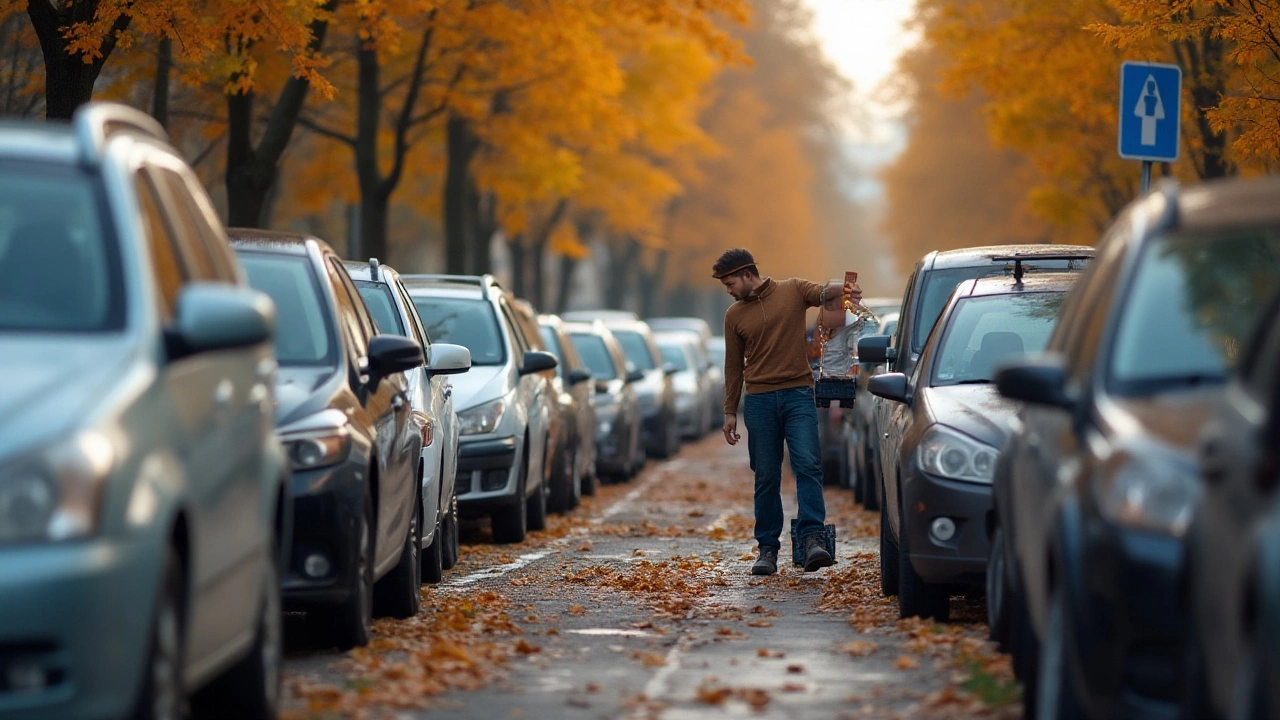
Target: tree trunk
(622, 261)
(519, 265)
(160, 93)
(460, 146)
(567, 267)
(373, 211)
(652, 287)
(541, 241)
(483, 224)
(68, 79)
(1203, 60)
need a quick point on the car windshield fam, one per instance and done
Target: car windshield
(674, 354)
(637, 350)
(595, 355)
(377, 297)
(553, 346)
(984, 332)
(715, 350)
(1190, 307)
(59, 268)
(466, 322)
(304, 335)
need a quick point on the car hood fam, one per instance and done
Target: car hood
(1173, 418)
(298, 391)
(976, 410)
(480, 384)
(51, 383)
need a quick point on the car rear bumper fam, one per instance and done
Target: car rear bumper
(80, 614)
(326, 513)
(963, 557)
(486, 475)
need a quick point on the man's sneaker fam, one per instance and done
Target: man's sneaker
(767, 563)
(815, 555)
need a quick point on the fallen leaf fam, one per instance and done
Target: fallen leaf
(795, 668)
(577, 610)
(860, 648)
(906, 662)
(525, 648)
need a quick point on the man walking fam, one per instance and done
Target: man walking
(764, 337)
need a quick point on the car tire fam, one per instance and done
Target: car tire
(348, 624)
(1195, 692)
(917, 598)
(1024, 648)
(511, 523)
(399, 593)
(537, 506)
(1055, 697)
(997, 587)
(449, 551)
(432, 560)
(250, 689)
(888, 559)
(873, 498)
(856, 481)
(163, 695)
(563, 484)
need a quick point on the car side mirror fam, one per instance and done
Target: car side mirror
(578, 375)
(602, 386)
(635, 376)
(536, 361)
(215, 316)
(391, 354)
(1041, 380)
(875, 349)
(890, 386)
(669, 369)
(448, 359)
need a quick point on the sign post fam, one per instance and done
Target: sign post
(1150, 114)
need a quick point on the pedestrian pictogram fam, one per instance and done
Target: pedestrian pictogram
(1149, 117)
(1150, 108)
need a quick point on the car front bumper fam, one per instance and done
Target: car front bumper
(487, 476)
(326, 512)
(80, 615)
(962, 558)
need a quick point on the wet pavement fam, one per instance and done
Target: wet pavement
(639, 604)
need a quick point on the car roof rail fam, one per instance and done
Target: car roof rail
(373, 268)
(95, 123)
(1018, 258)
(483, 281)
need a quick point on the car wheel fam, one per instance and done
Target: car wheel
(1055, 697)
(888, 559)
(432, 561)
(871, 485)
(915, 596)
(830, 472)
(562, 484)
(449, 551)
(398, 594)
(856, 481)
(997, 592)
(1195, 693)
(575, 477)
(511, 523)
(163, 697)
(348, 623)
(537, 505)
(250, 689)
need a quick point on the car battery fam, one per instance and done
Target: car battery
(797, 549)
(841, 391)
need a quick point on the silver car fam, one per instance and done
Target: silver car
(690, 381)
(143, 495)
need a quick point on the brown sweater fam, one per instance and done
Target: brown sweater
(764, 339)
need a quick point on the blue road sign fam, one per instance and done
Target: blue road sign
(1150, 121)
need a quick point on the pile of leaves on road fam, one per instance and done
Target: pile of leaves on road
(672, 587)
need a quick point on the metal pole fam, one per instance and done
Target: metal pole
(1146, 176)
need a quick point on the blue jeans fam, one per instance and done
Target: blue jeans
(770, 418)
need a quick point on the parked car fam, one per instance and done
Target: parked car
(1098, 486)
(431, 400)
(593, 315)
(558, 464)
(714, 371)
(577, 463)
(343, 417)
(503, 403)
(947, 425)
(882, 306)
(857, 422)
(140, 481)
(655, 392)
(619, 430)
(692, 386)
(1230, 561)
(928, 288)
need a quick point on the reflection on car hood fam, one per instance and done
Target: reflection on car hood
(1174, 418)
(297, 393)
(51, 383)
(480, 384)
(977, 410)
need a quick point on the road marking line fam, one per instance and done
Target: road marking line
(655, 686)
(497, 570)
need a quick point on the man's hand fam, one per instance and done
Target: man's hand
(731, 435)
(854, 293)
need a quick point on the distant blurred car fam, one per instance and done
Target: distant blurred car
(948, 423)
(690, 324)
(882, 306)
(858, 472)
(431, 397)
(592, 315)
(693, 388)
(343, 415)
(713, 371)
(655, 392)
(620, 451)
(576, 464)
(559, 464)
(503, 401)
(715, 354)
(1095, 490)
(141, 483)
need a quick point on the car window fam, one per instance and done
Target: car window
(595, 355)
(982, 333)
(59, 266)
(382, 307)
(1190, 306)
(464, 321)
(170, 273)
(552, 344)
(361, 314)
(674, 354)
(349, 322)
(636, 349)
(415, 322)
(304, 334)
(207, 247)
(513, 327)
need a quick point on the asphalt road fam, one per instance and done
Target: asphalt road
(640, 604)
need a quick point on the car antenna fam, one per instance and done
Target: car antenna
(373, 268)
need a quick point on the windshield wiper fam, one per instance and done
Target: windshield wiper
(971, 381)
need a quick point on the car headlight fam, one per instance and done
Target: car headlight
(318, 447)
(481, 419)
(55, 493)
(1157, 494)
(951, 454)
